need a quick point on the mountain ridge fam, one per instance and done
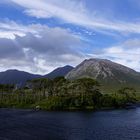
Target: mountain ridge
(60, 71)
(13, 76)
(108, 73)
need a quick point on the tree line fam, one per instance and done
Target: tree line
(63, 94)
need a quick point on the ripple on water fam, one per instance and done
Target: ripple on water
(102, 125)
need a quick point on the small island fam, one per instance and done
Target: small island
(63, 94)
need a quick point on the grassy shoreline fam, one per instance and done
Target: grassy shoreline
(33, 107)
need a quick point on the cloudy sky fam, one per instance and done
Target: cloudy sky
(40, 35)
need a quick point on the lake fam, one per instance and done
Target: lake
(16, 124)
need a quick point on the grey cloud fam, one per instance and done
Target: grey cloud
(132, 43)
(10, 49)
(49, 48)
(50, 41)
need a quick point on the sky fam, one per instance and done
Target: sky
(41, 35)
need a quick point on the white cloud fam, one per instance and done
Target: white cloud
(126, 53)
(38, 13)
(8, 29)
(37, 48)
(43, 48)
(77, 13)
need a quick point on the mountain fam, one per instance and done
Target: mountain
(111, 75)
(61, 71)
(20, 77)
(16, 77)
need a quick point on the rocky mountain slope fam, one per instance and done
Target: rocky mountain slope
(108, 73)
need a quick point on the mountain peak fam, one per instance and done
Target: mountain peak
(105, 65)
(97, 60)
(105, 71)
(13, 71)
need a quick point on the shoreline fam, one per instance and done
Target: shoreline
(69, 110)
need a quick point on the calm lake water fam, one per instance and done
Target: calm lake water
(102, 125)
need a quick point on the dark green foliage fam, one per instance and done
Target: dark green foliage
(62, 94)
(6, 88)
(128, 93)
(108, 101)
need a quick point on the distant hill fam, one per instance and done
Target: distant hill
(16, 77)
(61, 71)
(20, 77)
(111, 75)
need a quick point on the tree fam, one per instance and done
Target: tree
(59, 85)
(128, 93)
(41, 87)
(84, 91)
